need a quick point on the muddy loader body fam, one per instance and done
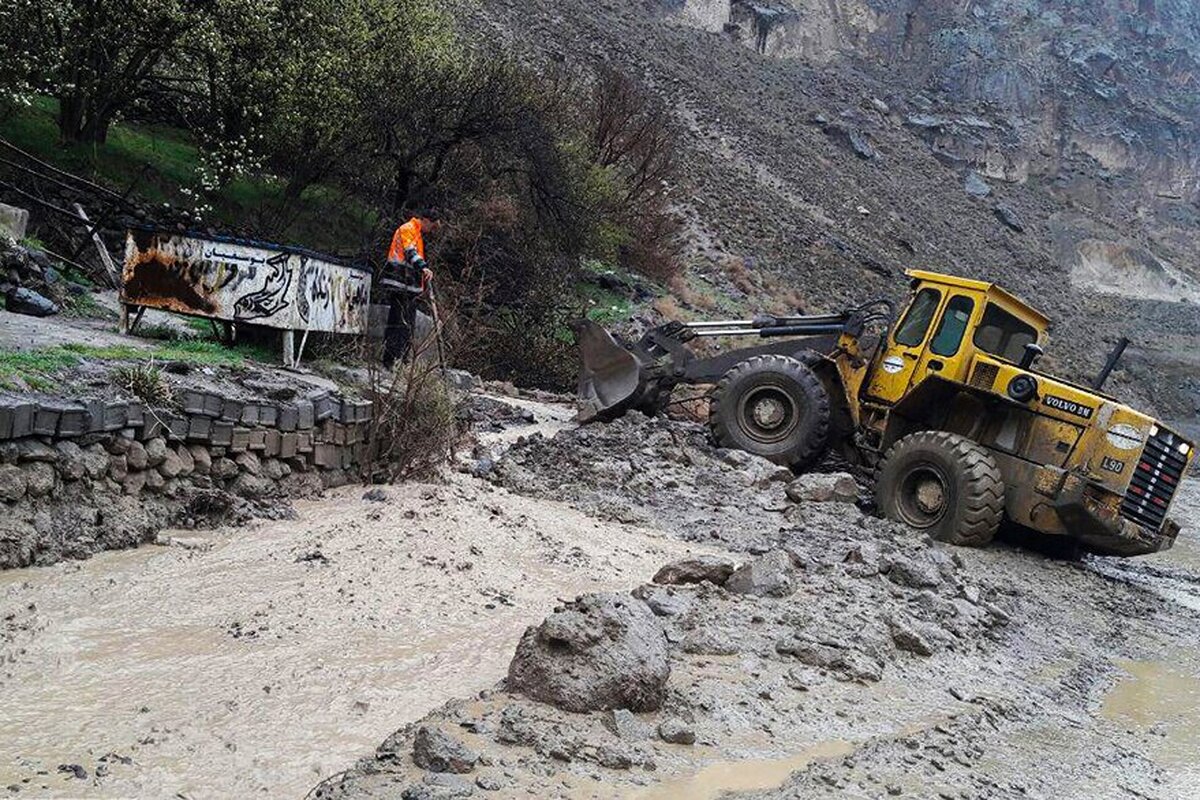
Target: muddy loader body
(943, 404)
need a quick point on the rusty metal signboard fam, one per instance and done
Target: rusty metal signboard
(241, 281)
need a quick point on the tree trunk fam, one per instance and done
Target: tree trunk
(70, 118)
(78, 121)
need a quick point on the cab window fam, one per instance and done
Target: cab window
(920, 315)
(950, 332)
(1003, 334)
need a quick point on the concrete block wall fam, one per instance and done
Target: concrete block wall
(75, 455)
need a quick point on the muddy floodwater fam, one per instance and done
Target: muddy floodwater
(256, 661)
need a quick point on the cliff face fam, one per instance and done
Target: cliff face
(1052, 146)
(1099, 100)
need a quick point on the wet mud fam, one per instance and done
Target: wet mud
(302, 657)
(258, 662)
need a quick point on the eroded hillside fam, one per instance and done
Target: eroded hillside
(829, 146)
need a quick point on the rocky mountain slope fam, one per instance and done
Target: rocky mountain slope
(830, 145)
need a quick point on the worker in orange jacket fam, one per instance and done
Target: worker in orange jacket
(408, 276)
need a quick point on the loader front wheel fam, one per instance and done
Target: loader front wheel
(943, 484)
(773, 406)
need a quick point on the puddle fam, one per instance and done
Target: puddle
(742, 776)
(1161, 700)
(1163, 697)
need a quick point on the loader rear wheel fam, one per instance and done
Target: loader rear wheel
(773, 406)
(943, 484)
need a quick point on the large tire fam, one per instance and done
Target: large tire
(773, 406)
(943, 484)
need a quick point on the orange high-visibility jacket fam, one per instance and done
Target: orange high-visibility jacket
(406, 236)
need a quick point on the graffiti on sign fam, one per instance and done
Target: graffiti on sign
(244, 282)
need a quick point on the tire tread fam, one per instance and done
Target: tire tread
(797, 368)
(982, 505)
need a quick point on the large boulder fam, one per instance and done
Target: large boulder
(772, 575)
(823, 487)
(27, 301)
(695, 569)
(600, 652)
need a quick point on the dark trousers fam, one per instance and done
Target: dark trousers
(402, 317)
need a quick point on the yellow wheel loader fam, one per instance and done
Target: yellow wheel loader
(942, 403)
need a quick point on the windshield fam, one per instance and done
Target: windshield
(1003, 334)
(920, 314)
(954, 325)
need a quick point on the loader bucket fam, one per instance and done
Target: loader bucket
(610, 376)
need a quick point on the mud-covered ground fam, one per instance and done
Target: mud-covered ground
(876, 663)
(853, 658)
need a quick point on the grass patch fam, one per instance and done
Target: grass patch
(605, 306)
(159, 161)
(85, 306)
(37, 368)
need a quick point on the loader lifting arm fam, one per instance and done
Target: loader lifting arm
(615, 378)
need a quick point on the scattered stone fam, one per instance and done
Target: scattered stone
(695, 569)
(664, 601)
(831, 487)
(14, 221)
(1009, 218)
(906, 572)
(623, 724)
(26, 301)
(74, 770)
(863, 560)
(489, 783)
(771, 575)
(437, 751)
(912, 637)
(975, 185)
(375, 495)
(674, 731)
(601, 651)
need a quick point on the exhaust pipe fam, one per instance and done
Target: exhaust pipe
(1113, 358)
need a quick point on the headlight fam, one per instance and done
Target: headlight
(1185, 448)
(1022, 388)
(1154, 430)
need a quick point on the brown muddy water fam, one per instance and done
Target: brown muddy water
(263, 659)
(254, 662)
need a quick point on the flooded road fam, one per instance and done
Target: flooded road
(256, 661)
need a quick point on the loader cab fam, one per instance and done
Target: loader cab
(947, 322)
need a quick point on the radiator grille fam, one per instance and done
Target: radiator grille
(984, 376)
(1154, 480)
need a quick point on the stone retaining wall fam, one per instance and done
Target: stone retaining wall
(82, 476)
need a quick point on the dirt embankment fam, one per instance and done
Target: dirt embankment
(868, 659)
